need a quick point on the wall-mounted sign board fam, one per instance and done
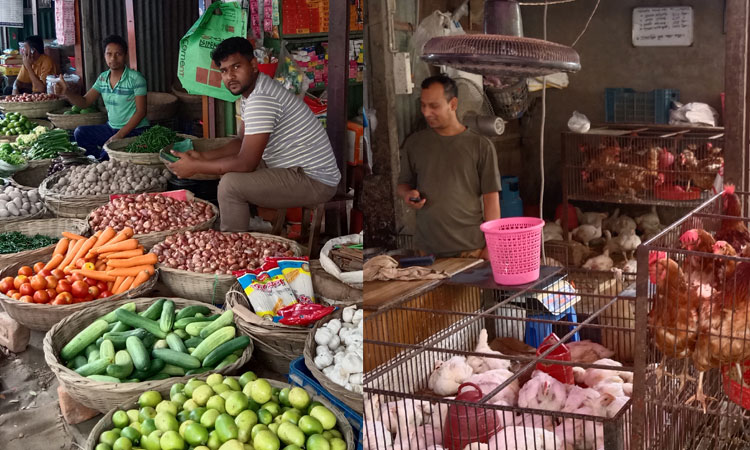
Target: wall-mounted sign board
(11, 13)
(663, 26)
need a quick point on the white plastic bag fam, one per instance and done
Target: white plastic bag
(353, 279)
(578, 123)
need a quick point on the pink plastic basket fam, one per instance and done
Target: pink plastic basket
(515, 246)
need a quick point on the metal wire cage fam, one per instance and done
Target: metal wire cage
(648, 165)
(403, 345)
(693, 302)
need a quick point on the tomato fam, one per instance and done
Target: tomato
(76, 277)
(27, 299)
(41, 297)
(19, 280)
(5, 286)
(52, 293)
(16, 296)
(80, 289)
(26, 289)
(64, 286)
(105, 294)
(45, 273)
(58, 301)
(26, 270)
(65, 297)
(89, 298)
(94, 292)
(8, 279)
(90, 281)
(57, 273)
(51, 281)
(38, 282)
(102, 285)
(38, 267)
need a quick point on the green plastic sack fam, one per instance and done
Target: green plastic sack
(183, 146)
(196, 71)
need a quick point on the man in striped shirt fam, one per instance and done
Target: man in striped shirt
(282, 159)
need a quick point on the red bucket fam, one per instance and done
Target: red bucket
(561, 373)
(738, 393)
(465, 425)
(269, 69)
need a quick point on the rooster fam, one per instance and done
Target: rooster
(733, 231)
(698, 270)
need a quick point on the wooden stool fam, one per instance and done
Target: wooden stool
(312, 236)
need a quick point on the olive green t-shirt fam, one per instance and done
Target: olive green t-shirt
(452, 173)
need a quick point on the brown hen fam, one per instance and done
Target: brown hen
(733, 231)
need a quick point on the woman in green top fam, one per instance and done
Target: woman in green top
(124, 94)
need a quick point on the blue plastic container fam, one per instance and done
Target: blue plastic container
(300, 376)
(511, 204)
(625, 105)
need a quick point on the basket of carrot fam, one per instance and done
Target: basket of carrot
(79, 270)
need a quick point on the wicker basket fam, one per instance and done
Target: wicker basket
(77, 207)
(190, 106)
(352, 399)
(204, 145)
(32, 110)
(42, 317)
(105, 396)
(161, 106)
(106, 422)
(277, 345)
(151, 239)
(44, 123)
(73, 121)
(37, 215)
(46, 227)
(209, 288)
(115, 150)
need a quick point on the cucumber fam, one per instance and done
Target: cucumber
(193, 342)
(194, 329)
(136, 321)
(98, 342)
(182, 323)
(173, 370)
(90, 349)
(119, 338)
(93, 368)
(230, 359)
(119, 326)
(216, 338)
(78, 361)
(149, 341)
(167, 316)
(138, 353)
(197, 371)
(153, 312)
(110, 316)
(221, 352)
(118, 371)
(161, 343)
(123, 360)
(225, 320)
(93, 356)
(156, 366)
(83, 339)
(191, 311)
(104, 378)
(176, 358)
(111, 325)
(107, 350)
(182, 334)
(175, 343)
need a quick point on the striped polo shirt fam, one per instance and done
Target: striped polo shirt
(120, 100)
(297, 139)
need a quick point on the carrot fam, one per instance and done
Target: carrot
(119, 237)
(121, 255)
(128, 232)
(141, 278)
(125, 285)
(128, 244)
(110, 285)
(54, 262)
(148, 258)
(72, 236)
(116, 285)
(84, 249)
(100, 265)
(72, 250)
(61, 247)
(106, 236)
(95, 275)
(130, 271)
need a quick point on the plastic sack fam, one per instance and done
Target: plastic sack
(302, 314)
(183, 145)
(694, 113)
(6, 170)
(579, 123)
(353, 279)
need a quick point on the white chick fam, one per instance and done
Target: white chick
(542, 392)
(609, 222)
(624, 374)
(491, 379)
(580, 434)
(448, 375)
(525, 438)
(586, 352)
(481, 364)
(552, 231)
(610, 243)
(590, 218)
(601, 263)
(420, 437)
(436, 413)
(587, 233)
(648, 221)
(628, 242)
(623, 223)
(616, 406)
(536, 421)
(401, 416)
(577, 396)
(613, 387)
(376, 436)
(627, 388)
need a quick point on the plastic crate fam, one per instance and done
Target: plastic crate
(625, 105)
(300, 376)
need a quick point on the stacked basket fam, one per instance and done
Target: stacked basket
(32, 110)
(13, 219)
(116, 151)
(73, 121)
(45, 227)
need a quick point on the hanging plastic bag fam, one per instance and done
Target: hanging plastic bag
(302, 314)
(578, 123)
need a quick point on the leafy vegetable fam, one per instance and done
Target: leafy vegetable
(153, 140)
(50, 144)
(11, 157)
(14, 242)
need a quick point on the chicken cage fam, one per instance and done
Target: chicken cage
(417, 354)
(692, 380)
(649, 165)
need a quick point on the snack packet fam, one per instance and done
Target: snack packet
(261, 301)
(277, 287)
(303, 314)
(296, 270)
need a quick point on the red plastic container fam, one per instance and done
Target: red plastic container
(561, 373)
(465, 425)
(269, 69)
(734, 390)
(572, 216)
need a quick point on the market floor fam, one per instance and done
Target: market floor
(30, 416)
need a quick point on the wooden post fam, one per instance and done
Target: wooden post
(736, 89)
(79, 47)
(131, 34)
(338, 82)
(209, 105)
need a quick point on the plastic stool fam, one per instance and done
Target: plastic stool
(537, 331)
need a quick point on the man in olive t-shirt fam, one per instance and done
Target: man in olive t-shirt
(449, 175)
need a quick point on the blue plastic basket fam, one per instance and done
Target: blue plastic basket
(300, 376)
(625, 105)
